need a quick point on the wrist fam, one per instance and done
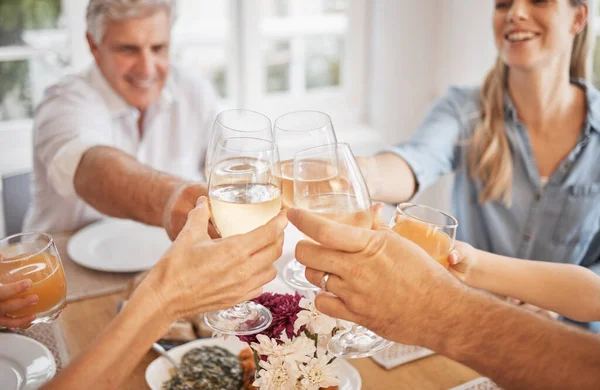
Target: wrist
(154, 300)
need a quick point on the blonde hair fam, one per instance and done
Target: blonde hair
(98, 11)
(489, 157)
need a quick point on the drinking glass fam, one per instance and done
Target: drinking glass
(234, 124)
(431, 229)
(34, 256)
(244, 190)
(294, 132)
(328, 182)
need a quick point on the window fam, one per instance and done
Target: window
(269, 55)
(594, 21)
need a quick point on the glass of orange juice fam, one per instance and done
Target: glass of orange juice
(431, 229)
(34, 256)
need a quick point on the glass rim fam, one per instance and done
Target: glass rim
(403, 206)
(275, 124)
(221, 146)
(336, 145)
(22, 257)
(219, 121)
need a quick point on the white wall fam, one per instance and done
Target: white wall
(420, 48)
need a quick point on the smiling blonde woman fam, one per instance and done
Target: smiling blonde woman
(524, 145)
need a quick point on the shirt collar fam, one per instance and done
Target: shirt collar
(115, 103)
(592, 100)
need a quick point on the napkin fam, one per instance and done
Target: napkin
(482, 383)
(399, 354)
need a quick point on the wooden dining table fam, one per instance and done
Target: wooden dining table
(83, 320)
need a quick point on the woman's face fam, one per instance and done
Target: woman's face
(530, 34)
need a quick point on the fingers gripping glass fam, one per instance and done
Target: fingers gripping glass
(327, 181)
(245, 192)
(34, 256)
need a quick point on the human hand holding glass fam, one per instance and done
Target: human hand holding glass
(30, 259)
(245, 192)
(328, 182)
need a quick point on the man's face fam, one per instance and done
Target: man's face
(134, 57)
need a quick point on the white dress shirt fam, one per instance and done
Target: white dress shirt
(83, 111)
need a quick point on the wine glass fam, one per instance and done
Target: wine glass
(244, 190)
(236, 123)
(34, 256)
(327, 181)
(431, 229)
(294, 132)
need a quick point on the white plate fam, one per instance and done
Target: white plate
(118, 245)
(158, 371)
(25, 364)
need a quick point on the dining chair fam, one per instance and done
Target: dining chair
(16, 197)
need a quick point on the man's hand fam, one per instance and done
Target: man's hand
(180, 203)
(380, 280)
(198, 274)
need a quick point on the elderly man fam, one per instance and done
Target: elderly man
(124, 137)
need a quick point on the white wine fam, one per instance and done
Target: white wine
(339, 207)
(240, 208)
(287, 183)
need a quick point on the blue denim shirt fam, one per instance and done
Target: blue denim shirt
(559, 222)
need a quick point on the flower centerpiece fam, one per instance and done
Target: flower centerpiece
(287, 355)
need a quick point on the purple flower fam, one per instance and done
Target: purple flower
(284, 309)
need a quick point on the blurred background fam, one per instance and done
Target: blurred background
(374, 65)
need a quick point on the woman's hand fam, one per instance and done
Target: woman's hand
(463, 261)
(10, 304)
(198, 274)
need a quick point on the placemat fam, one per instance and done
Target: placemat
(51, 336)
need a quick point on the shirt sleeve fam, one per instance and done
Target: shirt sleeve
(433, 150)
(68, 122)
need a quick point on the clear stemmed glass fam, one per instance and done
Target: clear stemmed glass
(431, 229)
(34, 256)
(236, 123)
(327, 181)
(294, 132)
(244, 190)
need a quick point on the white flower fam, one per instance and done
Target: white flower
(292, 351)
(277, 374)
(315, 321)
(317, 373)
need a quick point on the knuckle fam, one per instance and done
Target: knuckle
(375, 243)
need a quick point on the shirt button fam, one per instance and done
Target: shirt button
(568, 165)
(538, 196)
(527, 236)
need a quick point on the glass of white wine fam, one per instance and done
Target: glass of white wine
(328, 182)
(244, 190)
(236, 123)
(294, 132)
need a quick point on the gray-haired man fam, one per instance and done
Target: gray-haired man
(124, 137)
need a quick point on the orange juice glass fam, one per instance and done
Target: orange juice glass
(431, 229)
(34, 256)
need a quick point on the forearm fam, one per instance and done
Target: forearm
(118, 350)
(116, 184)
(516, 348)
(567, 289)
(389, 177)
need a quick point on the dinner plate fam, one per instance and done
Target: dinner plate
(118, 245)
(158, 371)
(25, 364)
